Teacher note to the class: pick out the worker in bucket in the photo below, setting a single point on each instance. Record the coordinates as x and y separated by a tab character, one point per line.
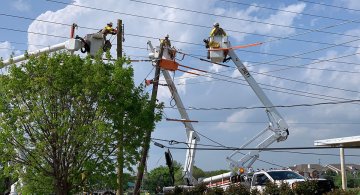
167	44
216	31
108	29
166	41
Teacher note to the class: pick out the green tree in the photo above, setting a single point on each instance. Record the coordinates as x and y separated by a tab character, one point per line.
61	116
159	177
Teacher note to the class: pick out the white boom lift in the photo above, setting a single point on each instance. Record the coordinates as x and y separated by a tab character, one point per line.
277	125
192	137
90	44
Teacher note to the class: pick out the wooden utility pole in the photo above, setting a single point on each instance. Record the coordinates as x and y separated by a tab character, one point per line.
120	133
119	39
145	150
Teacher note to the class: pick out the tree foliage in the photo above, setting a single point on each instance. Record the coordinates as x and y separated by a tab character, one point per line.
60	120
159	177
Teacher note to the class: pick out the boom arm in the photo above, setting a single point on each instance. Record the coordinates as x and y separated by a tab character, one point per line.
70	45
192	137
277	125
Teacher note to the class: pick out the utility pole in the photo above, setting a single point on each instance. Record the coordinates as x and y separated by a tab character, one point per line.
120	146
119	38
146	146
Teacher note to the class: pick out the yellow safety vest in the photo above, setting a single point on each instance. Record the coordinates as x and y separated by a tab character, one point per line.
217	31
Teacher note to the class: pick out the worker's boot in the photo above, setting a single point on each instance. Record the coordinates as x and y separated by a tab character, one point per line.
208	55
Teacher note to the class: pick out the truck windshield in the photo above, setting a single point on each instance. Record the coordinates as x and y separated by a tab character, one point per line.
283	175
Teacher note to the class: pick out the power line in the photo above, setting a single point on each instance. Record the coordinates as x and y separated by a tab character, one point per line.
282	78
293	92
34	33
302	94
294	123
317	154
9	15
17	30
276	106
283	10
255	52
218	143
267	149
190	43
173	142
303	58
185	23
241	19
328	5
277	88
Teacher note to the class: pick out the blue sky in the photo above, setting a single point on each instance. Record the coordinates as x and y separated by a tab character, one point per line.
291	34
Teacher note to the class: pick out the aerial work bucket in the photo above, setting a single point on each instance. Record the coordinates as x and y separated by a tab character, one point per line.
170	65
218	42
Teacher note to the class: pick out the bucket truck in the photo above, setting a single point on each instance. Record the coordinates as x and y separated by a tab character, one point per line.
277	126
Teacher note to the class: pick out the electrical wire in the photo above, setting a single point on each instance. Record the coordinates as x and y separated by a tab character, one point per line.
267	149
241	19
287	79
293	92
283	10
173	142
9	15
64	37
299	66
293	123
190	43
266	107
178	22
328	5
300	93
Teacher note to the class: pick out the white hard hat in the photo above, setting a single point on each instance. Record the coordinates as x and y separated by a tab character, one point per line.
167	36
216	24
110	23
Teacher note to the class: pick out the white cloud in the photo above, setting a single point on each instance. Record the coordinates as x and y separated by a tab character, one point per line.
352	4
6	49
21	5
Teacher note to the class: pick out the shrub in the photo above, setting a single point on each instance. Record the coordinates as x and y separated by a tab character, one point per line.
342	192
271	188
285	189
306	187
215	191
237	189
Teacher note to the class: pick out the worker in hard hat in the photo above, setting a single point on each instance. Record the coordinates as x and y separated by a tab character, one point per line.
108	29
167	45
166	42
216	31
210	43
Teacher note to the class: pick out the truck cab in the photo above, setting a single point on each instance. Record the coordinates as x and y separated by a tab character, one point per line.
291	178
260	178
